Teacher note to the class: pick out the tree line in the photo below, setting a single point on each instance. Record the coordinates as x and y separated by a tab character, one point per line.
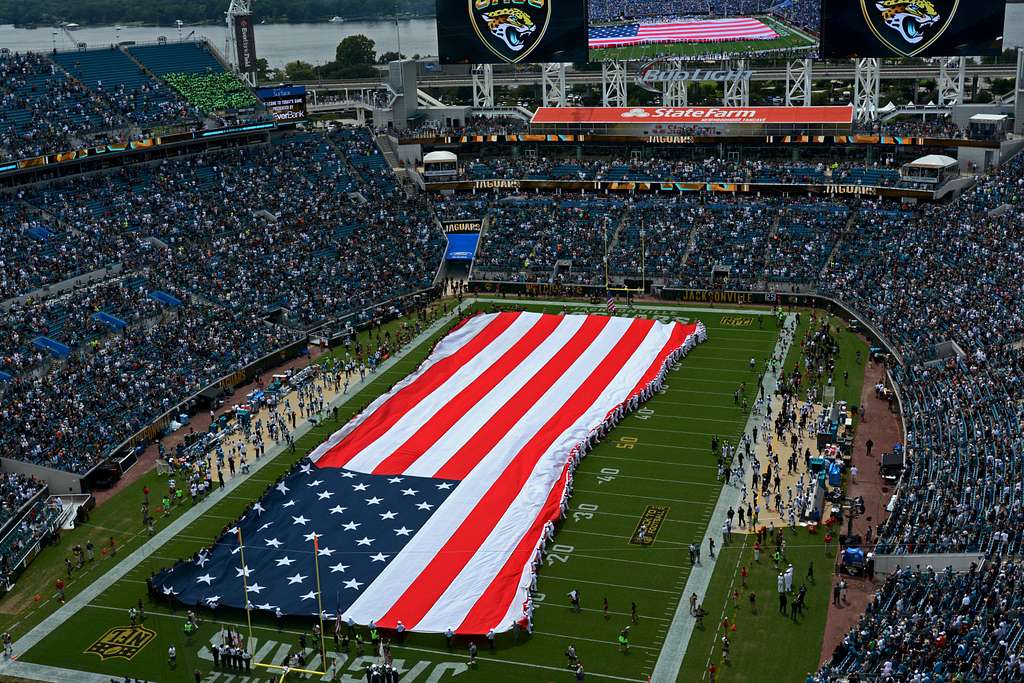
165	13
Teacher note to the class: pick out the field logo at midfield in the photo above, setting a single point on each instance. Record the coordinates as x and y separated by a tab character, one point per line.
121	641
510	30
908	27
649	523
737	321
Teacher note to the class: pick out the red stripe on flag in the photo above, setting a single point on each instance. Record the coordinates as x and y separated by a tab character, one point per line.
491	607
480	444
679	335
421	595
447	415
382	419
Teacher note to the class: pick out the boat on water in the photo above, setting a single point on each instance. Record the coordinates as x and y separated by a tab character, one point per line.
69	26
337	20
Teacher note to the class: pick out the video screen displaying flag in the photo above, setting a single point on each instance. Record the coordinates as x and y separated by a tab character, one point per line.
694	31
429	506
710	30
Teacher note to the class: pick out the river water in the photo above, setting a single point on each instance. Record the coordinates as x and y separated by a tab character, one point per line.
277	43
314	43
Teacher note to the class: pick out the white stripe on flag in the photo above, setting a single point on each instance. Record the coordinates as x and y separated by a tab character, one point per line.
379	597
377	451
455	603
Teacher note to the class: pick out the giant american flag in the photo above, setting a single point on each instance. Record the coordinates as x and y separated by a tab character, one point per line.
688	31
430	505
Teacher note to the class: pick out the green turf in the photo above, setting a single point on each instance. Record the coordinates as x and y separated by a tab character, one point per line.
659	455
766	646
795	646
789	39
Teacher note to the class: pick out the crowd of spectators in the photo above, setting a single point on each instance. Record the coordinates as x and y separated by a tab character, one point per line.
271	223
528	238
42	110
72	416
928	625
711	168
69	319
16	490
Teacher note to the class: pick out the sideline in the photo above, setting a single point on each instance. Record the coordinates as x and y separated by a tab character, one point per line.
670	661
57	619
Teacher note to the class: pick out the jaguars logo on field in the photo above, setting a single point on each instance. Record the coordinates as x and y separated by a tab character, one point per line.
908	27
123	642
511	29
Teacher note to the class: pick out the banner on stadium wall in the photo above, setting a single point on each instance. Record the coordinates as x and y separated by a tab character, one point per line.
634	186
697	116
467	225
285	103
511	31
245	43
911	28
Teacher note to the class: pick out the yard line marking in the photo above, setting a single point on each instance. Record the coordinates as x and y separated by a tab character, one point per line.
666	431
621	538
590	640
644	418
616	559
538	605
548	577
671	658
683	482
634	517
650	497
654	462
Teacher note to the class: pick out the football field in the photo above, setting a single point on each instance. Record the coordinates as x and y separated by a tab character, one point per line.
655	465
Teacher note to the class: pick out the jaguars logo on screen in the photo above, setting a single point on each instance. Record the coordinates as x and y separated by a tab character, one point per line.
511	30
909	26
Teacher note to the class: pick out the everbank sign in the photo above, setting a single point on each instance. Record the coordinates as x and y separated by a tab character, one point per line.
693	115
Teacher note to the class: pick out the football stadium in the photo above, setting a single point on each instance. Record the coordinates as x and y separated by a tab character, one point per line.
430	369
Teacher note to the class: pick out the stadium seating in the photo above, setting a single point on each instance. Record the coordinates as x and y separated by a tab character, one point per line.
124	86
42	110
928	625
177	58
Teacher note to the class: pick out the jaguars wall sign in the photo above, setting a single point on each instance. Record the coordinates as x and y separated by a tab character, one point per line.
123	642
511	31
911	28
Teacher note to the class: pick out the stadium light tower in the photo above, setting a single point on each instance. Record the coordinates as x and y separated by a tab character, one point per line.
240	39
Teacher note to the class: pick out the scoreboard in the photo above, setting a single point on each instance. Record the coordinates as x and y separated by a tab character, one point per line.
285	103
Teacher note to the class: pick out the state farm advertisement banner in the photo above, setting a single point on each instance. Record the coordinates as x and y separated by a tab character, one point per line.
696	116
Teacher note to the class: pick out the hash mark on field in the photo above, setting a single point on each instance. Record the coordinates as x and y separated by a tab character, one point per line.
619	514
657	462
606	584
590	640
628	495
684	482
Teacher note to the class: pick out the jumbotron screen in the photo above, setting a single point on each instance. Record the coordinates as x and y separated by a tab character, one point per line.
702	29
285	103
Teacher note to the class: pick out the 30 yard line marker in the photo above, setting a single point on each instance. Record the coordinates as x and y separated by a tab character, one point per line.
670	661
